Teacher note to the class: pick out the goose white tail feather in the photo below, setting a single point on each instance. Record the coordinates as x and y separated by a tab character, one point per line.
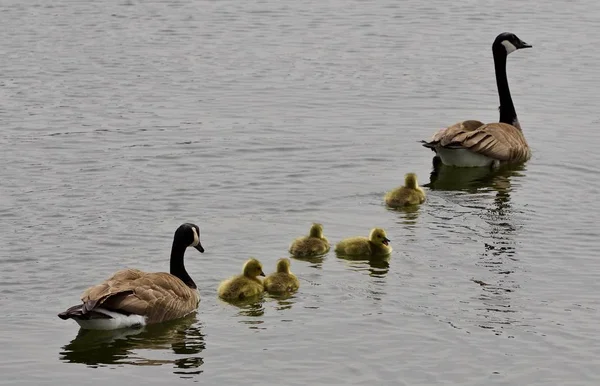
115	321
463	158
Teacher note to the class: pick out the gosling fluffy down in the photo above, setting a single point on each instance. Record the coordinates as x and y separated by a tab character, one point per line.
409	194
376	245
243	286
312	245
282	281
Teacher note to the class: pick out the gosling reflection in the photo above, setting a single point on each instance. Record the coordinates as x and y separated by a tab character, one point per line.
408	215
97	348
314	261
283	301
250	308
377	266
250	311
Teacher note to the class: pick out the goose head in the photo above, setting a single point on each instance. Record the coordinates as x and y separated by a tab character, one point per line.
378	237
508	42
253	268
316	230
410	181
189	235
283	265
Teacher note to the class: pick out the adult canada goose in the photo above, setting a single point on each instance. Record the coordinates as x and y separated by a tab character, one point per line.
472	143
312	245
409	194
376	245
135	298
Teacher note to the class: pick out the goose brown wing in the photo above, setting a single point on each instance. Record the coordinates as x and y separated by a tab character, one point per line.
455	129
158	296
499	141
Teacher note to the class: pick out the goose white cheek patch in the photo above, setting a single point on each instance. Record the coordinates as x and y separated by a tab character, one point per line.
509	46
196	238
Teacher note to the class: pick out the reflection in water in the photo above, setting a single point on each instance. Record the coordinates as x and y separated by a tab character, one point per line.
498	241
408	214
250	310
284	301
125	346
499	257
378	266
315	261
472	179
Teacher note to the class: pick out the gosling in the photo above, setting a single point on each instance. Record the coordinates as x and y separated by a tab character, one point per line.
314	244
243	286
409	194
376	245
283	281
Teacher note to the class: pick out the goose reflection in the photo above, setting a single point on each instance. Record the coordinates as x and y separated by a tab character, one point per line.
498	238
378	266
472	180
182	338
499	256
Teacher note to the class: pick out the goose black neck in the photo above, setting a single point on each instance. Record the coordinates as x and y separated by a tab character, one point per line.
177	267
507	108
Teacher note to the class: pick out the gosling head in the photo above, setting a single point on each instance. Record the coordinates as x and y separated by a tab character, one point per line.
410	181
378	237
316	230
283	265
253	268
507	43
189	235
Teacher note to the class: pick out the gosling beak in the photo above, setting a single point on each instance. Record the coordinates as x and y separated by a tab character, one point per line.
261	273
199	248
386	241
524	45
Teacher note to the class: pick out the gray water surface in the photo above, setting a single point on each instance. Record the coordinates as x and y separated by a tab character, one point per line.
123	119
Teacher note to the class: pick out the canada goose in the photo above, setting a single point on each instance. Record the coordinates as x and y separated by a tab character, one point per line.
409	194
283	280
376	245
312	245
472	143
135	298
243	286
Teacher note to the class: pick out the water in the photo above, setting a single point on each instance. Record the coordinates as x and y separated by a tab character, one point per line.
123	119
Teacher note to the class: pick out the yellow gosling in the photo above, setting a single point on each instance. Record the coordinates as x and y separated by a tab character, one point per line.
312	245
243	286
409	194
376	245
282	281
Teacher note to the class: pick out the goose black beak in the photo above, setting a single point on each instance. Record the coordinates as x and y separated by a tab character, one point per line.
524	45
199	248
386	241
261	273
